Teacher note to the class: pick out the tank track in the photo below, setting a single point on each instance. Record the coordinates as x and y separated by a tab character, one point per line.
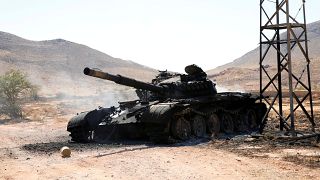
81	135
241	120
182	123
79	130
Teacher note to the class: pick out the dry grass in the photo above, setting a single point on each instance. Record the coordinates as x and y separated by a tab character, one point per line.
305	153
312	161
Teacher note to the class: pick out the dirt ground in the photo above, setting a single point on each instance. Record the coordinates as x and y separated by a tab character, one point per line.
29	149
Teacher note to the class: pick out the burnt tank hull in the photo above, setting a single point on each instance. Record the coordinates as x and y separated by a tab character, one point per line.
169	110
172	120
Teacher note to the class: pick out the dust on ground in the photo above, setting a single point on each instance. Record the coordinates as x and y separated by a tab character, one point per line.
30	149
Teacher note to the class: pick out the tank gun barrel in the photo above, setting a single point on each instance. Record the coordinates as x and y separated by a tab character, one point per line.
123	80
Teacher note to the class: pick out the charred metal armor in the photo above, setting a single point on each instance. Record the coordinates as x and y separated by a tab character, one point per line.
187	106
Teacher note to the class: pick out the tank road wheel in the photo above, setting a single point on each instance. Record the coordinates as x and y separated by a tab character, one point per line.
181	129
243	124
198	126
251	118
227	123
213	124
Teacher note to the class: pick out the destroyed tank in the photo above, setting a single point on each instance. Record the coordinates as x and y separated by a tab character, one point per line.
174	107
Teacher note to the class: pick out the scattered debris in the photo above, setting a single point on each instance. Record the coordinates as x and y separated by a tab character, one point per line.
65	152
300	137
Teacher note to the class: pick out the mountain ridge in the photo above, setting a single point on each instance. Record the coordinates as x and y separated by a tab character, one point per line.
248	64
58	64
248	59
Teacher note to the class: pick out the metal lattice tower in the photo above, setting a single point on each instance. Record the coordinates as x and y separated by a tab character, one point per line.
285	63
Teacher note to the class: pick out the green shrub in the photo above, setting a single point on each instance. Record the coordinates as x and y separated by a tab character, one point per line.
14	89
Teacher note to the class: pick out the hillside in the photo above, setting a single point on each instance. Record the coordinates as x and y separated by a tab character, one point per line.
57	65
246	68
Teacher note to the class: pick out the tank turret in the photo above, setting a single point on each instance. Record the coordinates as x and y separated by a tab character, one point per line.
190	85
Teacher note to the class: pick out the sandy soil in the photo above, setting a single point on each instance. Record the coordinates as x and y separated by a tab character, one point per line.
30	150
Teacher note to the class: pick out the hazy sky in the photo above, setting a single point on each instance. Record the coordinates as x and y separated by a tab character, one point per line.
157	33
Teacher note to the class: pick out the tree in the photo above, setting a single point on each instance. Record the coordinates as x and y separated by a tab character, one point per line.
14	89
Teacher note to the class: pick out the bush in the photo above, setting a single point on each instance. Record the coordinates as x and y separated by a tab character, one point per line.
14	89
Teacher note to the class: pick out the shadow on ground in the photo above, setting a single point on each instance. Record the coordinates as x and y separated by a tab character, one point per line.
51	147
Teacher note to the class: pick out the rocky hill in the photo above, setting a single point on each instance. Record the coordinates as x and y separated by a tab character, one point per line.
243	73
57	65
